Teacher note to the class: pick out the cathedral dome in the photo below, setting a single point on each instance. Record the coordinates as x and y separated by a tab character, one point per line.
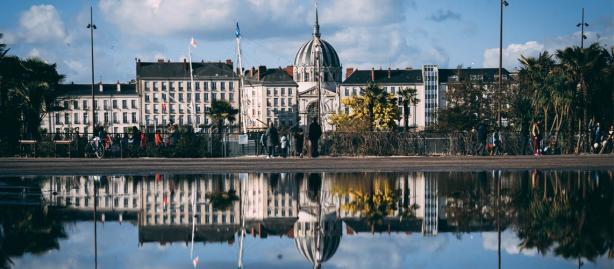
304	56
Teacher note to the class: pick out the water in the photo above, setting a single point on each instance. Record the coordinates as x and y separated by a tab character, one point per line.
489	219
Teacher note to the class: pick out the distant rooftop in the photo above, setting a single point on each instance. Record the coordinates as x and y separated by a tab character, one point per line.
181	70
86	89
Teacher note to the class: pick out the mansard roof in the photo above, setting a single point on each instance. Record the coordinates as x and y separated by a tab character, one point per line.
181	70
86	89
411	76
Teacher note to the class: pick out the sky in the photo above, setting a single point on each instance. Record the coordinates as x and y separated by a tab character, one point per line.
365	33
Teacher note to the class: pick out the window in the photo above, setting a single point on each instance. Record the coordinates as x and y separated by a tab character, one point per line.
197	86
66	104
180	97
146	97
85	104
76	118
283	102
146	83
66	118
75	104
283	91
223	96
231	85
115	119
289	91
197	96
106	104
57	118
133	117
206	85
125	117
268	91
222	85
206	97
133	103
114	104
124	104
189	97
347	91
231	96
155	97
85	121
275	102
180	85
106	117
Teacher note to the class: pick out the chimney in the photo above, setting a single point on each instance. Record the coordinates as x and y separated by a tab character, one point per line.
229	62
119	87
261	70
372	74
185	60
348	72
251	72
100	86
389	73
289	70
160	60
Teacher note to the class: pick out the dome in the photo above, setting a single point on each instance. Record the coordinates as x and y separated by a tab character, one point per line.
304	56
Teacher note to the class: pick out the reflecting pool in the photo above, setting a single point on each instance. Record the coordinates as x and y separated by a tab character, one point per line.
485	219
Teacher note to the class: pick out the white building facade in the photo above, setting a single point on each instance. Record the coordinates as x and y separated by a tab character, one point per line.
168	96
116	108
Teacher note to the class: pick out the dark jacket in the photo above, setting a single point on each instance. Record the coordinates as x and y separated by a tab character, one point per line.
272	137
315	131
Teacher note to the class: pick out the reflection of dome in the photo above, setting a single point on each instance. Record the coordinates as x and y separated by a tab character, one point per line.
304	57
307	247
306	233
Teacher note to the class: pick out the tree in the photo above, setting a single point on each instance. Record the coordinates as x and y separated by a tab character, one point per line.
467	104
222	111
376	109
409	96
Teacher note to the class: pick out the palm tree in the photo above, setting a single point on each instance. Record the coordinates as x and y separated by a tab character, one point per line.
585	68
537	70
374	95
221	111
409	97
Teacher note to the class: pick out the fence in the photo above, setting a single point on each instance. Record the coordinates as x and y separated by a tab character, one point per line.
188	144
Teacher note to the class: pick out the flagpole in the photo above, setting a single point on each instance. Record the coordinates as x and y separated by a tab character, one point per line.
192	88
241	83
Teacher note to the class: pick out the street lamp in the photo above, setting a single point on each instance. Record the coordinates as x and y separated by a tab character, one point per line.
92	27
503	3
582	25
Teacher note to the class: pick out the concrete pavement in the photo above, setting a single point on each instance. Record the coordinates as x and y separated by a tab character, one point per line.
65	166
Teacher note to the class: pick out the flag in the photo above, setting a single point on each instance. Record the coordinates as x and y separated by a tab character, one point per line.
193	42
238	31
195	262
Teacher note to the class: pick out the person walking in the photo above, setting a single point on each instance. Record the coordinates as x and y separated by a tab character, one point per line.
482	135
158	138
263	149
315	132
496	141
535	138
284	146
608	143
597	137
272	139
298	142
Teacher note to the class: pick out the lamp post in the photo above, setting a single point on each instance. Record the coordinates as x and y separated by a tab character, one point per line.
503	3
92	27
582	24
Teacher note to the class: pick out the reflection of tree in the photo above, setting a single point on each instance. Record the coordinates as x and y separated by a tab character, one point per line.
569	212
224	199
373	198
27	230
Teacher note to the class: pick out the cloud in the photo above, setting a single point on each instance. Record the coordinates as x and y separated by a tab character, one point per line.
365	12
511	53
444	15
40	24
209	19
509	243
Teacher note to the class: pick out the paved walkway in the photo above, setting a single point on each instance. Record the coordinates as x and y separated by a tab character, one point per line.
65	166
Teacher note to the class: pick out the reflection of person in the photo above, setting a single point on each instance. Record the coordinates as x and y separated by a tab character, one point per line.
315	132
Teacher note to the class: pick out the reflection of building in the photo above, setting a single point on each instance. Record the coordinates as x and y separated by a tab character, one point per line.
317	233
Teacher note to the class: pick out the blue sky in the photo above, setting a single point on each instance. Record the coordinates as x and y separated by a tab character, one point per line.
366	33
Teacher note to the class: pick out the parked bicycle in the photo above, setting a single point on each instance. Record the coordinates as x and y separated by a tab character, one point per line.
95	147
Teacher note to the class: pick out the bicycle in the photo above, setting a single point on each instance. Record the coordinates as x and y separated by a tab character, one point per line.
95	147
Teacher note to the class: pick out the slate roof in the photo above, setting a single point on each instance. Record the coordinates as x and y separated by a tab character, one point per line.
181	70
86	89
304	55
407	76
275	76
361	77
